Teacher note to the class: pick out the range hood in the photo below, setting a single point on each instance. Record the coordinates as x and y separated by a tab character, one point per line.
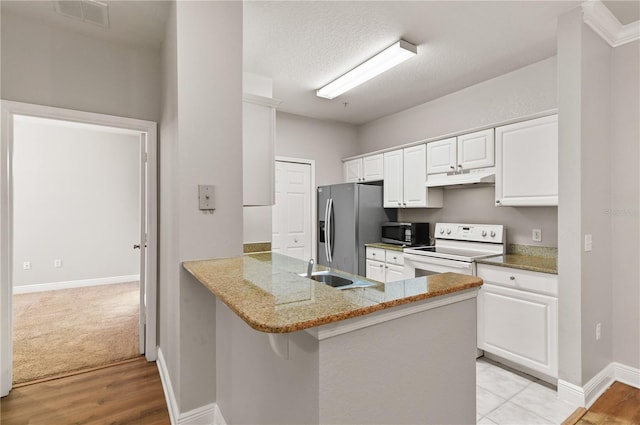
479	177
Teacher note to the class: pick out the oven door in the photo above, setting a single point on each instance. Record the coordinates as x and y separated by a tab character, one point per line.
416	265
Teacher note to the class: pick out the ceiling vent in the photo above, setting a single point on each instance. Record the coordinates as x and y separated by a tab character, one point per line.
90	11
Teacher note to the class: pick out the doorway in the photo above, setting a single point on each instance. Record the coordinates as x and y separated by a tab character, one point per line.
293	227
68	259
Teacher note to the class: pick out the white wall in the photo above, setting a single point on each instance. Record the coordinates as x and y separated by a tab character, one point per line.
326	142
50	66
596	198
201	137
168	272
523	92
477	205
570	197
519	93
77	199
625	203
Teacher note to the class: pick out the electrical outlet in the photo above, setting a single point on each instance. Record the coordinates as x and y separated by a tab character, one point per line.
26	265
57	263
536	235
598	331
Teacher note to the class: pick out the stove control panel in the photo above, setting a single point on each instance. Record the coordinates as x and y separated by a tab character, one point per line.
470	232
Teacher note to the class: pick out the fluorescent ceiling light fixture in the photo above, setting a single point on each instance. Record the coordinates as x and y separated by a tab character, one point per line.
383	61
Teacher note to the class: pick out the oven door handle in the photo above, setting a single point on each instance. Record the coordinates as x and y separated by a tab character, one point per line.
423	259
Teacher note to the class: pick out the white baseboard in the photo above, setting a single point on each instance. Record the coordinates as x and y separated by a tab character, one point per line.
209	414
39	287
586	395
627	375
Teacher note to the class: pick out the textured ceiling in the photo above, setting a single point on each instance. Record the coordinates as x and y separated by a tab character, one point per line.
303	45
139	23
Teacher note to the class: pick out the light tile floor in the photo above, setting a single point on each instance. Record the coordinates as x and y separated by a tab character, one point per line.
505	396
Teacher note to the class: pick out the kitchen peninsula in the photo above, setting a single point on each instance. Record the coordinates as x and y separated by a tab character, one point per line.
299	351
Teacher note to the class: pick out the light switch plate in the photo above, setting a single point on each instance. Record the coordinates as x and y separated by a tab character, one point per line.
588	243
205	197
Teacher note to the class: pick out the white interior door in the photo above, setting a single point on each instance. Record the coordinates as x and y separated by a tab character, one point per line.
291	231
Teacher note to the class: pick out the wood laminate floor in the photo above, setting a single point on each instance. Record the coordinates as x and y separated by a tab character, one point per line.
620	404
127	393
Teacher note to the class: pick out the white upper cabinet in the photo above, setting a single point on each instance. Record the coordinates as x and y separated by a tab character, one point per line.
441	156
393	179
476	150
466	152
527	163
366	169
405	172
353	170
373	166
258	158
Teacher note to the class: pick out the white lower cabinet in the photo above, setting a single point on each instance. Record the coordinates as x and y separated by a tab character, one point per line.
384	265
518	317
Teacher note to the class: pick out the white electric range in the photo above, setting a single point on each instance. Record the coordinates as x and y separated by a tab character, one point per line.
456	248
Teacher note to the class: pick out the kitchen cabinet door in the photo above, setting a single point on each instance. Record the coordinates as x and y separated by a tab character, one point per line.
476	150
518	317
258	157
393	179
415	176
353	170
375	270
441	156
527	163
373	168
519	326
393	273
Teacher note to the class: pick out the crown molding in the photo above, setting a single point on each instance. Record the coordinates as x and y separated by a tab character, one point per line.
606	25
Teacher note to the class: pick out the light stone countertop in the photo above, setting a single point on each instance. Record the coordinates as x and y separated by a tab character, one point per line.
524	262
266	291
383	245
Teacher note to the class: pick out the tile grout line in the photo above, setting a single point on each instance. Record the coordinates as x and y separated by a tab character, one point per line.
510	398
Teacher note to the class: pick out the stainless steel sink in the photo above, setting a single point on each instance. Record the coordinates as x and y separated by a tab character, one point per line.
332	280
337	281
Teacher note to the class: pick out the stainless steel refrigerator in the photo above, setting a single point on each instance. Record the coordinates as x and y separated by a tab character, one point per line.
349	216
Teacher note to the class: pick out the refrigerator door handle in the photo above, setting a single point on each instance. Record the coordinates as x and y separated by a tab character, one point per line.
326	233
329	244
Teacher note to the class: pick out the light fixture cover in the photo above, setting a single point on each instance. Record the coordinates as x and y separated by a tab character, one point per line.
383	61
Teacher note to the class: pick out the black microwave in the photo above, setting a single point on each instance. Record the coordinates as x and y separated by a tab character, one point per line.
411	234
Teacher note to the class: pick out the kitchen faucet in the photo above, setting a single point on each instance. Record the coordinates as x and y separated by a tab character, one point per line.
310	268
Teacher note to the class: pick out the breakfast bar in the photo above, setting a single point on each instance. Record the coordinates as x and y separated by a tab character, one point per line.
300	351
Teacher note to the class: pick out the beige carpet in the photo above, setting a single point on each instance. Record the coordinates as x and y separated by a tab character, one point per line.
55	332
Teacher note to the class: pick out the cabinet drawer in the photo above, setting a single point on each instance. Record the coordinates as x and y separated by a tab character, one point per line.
375	254
542	283
394	257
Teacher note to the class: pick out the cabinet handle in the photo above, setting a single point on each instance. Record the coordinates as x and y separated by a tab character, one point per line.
404	203
498	201
459	165
452	167
386	267
399	204
512	277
